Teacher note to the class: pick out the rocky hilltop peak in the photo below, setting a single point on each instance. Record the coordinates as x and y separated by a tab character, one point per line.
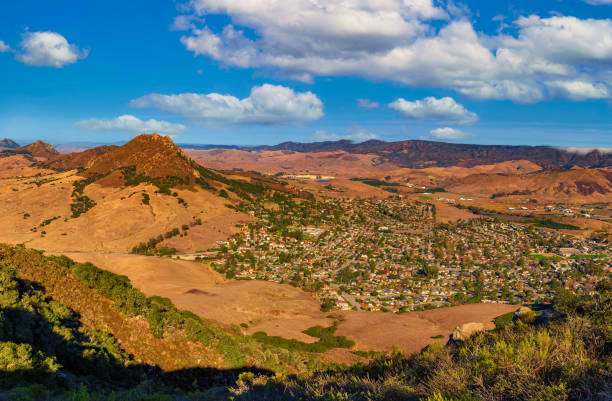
8	143
39	149
153	156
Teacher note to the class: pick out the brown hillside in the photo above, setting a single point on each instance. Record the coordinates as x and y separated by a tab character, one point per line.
151	155
39	149
159	189
574	185
281	309
77	159
342	164
339	163
422	154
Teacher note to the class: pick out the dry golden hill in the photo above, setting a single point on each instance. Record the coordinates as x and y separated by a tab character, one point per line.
13	164
37	211
445	176
125	197
75	160
150	155
337	163
39	149
576	185
16	158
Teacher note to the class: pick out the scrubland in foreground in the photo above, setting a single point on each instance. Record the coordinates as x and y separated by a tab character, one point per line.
68	334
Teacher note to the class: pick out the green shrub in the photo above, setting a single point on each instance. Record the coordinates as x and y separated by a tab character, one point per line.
327	340
549	223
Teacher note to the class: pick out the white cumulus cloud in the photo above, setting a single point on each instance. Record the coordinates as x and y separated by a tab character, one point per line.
266	104
397	40
449	134
4	47
579	90
49	49
585	151
367	104
354	134
444	110
131	124
598	2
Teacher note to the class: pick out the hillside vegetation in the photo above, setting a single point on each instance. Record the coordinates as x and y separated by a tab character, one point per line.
70	327
566	358
71	331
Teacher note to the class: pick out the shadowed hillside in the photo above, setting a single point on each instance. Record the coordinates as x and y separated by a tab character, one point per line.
8	143
64	325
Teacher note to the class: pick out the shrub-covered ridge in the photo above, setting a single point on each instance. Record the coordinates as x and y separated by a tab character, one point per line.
567	358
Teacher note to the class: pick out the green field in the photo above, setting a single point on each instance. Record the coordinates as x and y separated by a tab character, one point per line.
548	223
376	183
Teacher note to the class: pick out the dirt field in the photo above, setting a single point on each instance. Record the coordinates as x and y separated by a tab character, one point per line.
446	213
411	332
281	309
274	308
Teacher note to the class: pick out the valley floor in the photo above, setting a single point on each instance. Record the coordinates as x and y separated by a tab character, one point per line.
282	310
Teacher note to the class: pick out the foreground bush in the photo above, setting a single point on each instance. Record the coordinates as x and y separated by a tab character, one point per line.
568	358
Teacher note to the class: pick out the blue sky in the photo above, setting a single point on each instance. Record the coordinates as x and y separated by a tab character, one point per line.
256	72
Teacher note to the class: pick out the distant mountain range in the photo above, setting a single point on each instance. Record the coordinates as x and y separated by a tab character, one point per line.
7	143
409	154
38	149
422	154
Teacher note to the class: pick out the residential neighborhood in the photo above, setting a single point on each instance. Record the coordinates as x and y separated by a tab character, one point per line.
390	255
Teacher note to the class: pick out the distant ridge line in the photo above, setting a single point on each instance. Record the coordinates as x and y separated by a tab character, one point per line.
422	154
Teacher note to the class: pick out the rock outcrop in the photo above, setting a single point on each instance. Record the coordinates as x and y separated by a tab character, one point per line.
524	314
465	331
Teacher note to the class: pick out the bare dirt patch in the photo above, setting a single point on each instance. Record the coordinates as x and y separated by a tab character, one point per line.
446	213
274	308
411	332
